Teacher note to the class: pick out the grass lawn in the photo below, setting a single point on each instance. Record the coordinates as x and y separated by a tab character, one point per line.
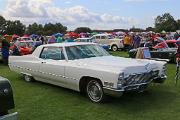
39	101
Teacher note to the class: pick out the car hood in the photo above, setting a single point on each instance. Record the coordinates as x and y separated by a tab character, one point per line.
118	64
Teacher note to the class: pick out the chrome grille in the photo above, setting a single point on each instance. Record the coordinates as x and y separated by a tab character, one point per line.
141	78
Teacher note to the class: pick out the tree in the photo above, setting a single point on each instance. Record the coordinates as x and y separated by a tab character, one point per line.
2	25
2	20
165	22
47	29
150	29
14	27
178	24
82	29
50	28
35	29
133	29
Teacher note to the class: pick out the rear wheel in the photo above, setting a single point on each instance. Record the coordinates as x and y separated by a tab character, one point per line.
27	78
95	92
114	48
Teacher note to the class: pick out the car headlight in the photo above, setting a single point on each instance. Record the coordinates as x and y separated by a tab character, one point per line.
6	91
121	80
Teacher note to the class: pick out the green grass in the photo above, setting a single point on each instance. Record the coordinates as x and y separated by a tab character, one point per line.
39	101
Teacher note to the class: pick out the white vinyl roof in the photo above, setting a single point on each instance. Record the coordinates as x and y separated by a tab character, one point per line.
67	44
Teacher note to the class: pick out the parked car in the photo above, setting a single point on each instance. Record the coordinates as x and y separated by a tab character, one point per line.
108	39
6	100
105	46
24	47
166	44
24	38
163	50
86	67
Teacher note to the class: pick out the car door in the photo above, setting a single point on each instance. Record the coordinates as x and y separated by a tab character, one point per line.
52	65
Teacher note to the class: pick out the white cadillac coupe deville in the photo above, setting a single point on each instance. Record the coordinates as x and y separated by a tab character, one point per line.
87	67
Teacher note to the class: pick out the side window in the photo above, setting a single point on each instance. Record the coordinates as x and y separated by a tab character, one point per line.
98	37
103	37
54	53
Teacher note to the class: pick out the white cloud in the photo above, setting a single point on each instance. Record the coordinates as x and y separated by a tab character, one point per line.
144	0
43	11
68	2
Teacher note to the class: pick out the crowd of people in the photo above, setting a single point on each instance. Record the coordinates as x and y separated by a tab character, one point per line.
131	40
135	40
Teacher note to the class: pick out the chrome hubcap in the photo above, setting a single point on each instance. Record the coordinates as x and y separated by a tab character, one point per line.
27	78
94	91
114	48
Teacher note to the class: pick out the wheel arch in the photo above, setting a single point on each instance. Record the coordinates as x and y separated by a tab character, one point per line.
84	80
113	44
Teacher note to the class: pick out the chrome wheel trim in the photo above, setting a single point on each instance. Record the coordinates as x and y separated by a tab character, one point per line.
114	48
94	91
27	78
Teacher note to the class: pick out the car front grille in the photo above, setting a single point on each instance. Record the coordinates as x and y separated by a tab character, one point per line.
141	78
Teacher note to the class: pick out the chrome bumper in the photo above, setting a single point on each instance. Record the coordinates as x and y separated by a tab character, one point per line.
160	79
113	92
119	92
134	87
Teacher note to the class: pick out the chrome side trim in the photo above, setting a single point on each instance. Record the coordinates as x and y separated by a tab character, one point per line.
52	74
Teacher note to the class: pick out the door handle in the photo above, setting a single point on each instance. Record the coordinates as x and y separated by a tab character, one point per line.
43	62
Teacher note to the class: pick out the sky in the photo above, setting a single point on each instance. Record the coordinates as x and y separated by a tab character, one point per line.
96	14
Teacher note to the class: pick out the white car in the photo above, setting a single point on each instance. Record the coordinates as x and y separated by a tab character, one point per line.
87	67
114	43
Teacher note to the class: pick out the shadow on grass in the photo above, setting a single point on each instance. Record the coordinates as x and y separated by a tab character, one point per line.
155	98
151	99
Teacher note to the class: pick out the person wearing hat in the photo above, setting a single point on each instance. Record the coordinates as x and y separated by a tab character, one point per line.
163	35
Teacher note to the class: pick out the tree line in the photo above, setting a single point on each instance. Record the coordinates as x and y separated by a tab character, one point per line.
164	22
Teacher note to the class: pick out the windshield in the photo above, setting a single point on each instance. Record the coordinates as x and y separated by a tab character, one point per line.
26	39
160	39
110	37
85	51
22	44
30	44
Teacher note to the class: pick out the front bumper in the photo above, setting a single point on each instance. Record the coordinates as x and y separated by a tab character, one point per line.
134	87
119	92
160	79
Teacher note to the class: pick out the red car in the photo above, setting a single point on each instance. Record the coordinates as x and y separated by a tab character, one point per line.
166	44
24	47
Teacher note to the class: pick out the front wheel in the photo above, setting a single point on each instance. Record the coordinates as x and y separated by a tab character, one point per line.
95	92
114	48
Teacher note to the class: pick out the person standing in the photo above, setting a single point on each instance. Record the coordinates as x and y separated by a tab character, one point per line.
127	42
176	35
42	39
59	40
5	51
136	41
